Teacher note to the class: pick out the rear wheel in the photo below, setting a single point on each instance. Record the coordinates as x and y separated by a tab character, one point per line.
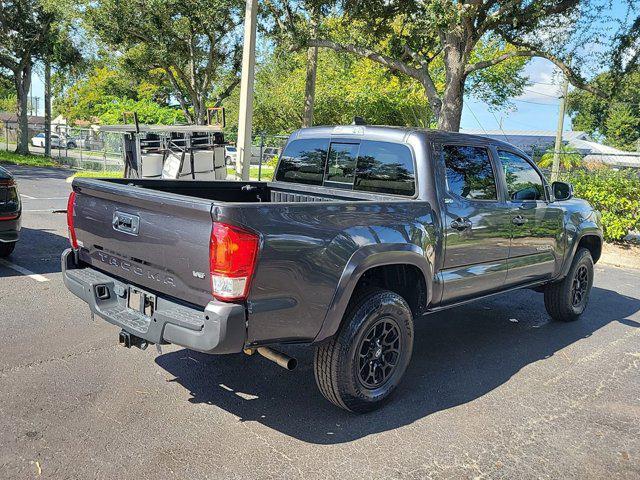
566	300
361	366
6	248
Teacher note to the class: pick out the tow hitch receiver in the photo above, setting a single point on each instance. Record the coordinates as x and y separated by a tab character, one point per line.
128	340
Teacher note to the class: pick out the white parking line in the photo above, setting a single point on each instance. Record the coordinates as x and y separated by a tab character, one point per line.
34	276
43	198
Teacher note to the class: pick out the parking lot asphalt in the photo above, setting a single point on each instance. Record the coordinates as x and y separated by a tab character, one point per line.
494	389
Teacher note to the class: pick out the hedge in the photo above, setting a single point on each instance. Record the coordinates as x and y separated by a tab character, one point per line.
615	193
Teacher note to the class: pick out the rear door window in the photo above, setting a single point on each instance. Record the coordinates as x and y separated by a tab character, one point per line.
385	167
303	161
469	173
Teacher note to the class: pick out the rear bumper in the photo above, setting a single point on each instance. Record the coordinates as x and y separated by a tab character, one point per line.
218	328
9	230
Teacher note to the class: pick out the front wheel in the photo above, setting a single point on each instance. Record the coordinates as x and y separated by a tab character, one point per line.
566	300
362	365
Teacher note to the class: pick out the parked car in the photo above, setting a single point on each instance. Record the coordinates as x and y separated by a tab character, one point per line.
363	232
230	154
57	141
10	213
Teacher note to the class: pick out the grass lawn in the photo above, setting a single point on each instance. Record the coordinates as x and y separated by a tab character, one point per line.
93	174
11	158
267	173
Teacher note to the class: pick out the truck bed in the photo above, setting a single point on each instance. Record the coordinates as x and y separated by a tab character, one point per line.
169	252
240	192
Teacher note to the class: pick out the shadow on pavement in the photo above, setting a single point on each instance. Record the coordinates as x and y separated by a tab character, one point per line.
38	250
459	355
38	173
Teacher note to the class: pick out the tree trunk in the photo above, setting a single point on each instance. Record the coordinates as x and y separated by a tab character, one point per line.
452	103
310	81
455	60
310	86
199	111
22	80
47	108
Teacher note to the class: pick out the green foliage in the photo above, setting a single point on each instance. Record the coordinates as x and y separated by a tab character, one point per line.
99	174
569	159
616	120
8	103
195	43
272	162
346	86
623	127
616	194
106	92
148	111
27	160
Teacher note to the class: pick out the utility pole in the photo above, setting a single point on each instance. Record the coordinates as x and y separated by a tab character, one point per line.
47	107
245	120
555	169
37	105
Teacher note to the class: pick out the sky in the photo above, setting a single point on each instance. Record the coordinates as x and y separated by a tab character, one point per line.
536	109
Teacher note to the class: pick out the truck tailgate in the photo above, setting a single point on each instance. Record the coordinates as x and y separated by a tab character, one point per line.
156	240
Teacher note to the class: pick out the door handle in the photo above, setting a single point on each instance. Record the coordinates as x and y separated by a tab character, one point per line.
460	224
519	220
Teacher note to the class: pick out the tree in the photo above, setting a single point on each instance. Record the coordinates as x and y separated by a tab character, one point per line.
60	52
422	38
615	120
623	127
195	43
24	29
570	158
106	91
347	86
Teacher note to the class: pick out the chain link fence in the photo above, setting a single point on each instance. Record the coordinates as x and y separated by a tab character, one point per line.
92	149
78	148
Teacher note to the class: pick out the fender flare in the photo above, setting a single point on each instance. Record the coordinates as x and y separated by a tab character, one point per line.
364	259
587	230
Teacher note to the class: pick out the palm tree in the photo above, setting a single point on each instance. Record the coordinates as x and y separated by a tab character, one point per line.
570	158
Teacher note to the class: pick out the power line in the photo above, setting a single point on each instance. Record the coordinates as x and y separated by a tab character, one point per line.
536	103
540	93
499	125
474	116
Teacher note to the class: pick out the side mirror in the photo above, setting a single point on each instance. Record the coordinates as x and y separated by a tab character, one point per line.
562	190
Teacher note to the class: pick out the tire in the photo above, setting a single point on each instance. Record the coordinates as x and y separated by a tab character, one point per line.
342	363
71	145
566	300
6	248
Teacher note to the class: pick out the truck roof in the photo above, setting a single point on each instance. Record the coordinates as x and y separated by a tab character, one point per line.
392	133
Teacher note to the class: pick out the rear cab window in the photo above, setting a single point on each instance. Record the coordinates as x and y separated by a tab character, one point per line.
360	165
303	161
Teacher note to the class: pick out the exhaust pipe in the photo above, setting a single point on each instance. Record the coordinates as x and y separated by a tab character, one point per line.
281	359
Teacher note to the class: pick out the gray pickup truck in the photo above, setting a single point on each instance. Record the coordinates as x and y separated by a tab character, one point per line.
363	231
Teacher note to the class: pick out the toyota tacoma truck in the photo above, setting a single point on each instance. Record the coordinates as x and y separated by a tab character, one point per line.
363	231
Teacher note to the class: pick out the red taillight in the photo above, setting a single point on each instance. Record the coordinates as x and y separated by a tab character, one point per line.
70	211
232	255
8	182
